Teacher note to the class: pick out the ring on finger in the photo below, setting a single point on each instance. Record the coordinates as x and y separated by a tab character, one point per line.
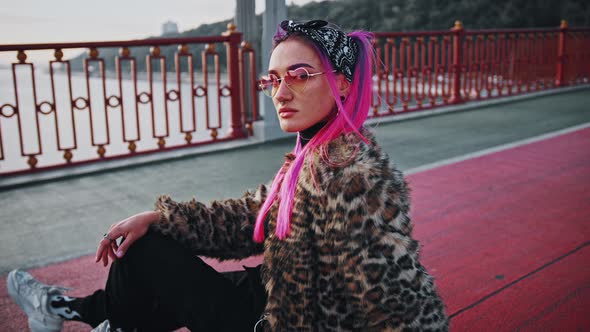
106	236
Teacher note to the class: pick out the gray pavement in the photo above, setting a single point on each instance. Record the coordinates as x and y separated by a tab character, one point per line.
58	220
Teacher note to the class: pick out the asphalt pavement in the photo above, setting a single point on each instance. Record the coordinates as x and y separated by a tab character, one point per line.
62	219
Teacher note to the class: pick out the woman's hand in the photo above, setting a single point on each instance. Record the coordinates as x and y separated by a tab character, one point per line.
130	229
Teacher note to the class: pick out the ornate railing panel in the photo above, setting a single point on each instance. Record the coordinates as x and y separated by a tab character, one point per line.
154	95
162	94
422	70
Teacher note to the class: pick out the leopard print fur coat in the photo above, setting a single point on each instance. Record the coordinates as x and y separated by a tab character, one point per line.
350	262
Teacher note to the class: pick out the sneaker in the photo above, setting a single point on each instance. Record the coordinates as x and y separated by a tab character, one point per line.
33	298
106	327
103	327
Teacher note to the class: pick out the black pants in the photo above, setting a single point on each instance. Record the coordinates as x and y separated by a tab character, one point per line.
159	286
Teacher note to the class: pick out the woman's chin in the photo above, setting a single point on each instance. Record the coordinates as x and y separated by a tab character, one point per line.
289	127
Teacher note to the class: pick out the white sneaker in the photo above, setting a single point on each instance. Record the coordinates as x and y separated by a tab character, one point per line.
33	298
103	327
106	327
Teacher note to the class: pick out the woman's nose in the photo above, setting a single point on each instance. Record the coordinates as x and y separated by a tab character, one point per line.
283	92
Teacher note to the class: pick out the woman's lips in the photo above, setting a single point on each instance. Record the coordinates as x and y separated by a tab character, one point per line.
286	112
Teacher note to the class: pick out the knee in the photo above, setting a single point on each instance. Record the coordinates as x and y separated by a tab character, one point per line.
154	247
150	243
145	243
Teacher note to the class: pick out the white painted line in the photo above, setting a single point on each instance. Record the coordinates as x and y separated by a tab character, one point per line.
494	149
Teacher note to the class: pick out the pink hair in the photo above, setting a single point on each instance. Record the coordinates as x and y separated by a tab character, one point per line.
350	117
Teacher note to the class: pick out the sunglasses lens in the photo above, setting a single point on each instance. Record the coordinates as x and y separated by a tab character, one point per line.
297	79
267	86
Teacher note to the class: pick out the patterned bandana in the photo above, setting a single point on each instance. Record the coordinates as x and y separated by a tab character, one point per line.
340	48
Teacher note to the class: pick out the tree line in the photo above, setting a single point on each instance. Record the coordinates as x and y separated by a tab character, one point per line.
388	15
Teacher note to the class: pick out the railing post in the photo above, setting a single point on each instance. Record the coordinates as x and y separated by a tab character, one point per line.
561	55
249	92
458	33
233	68
378	73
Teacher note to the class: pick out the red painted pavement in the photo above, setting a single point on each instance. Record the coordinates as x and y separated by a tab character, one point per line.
554	298
488	221
507	236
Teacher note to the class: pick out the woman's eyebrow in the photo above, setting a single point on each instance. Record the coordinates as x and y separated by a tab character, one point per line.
299	65
293	67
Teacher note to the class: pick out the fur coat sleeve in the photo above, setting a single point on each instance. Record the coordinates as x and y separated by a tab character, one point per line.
222	230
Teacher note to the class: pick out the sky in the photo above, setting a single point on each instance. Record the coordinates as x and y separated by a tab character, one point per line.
48	21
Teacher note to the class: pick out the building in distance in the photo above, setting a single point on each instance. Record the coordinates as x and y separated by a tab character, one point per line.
169	27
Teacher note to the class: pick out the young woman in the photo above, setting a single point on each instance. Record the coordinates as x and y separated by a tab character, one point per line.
333	226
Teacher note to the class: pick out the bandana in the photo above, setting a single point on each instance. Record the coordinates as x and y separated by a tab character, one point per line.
340	48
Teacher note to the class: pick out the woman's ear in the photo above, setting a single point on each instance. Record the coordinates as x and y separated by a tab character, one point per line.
343	85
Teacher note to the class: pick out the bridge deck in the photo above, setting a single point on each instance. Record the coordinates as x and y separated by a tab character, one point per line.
506	235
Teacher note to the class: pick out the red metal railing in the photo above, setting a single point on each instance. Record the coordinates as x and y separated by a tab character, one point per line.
124	115
91	118
421	70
